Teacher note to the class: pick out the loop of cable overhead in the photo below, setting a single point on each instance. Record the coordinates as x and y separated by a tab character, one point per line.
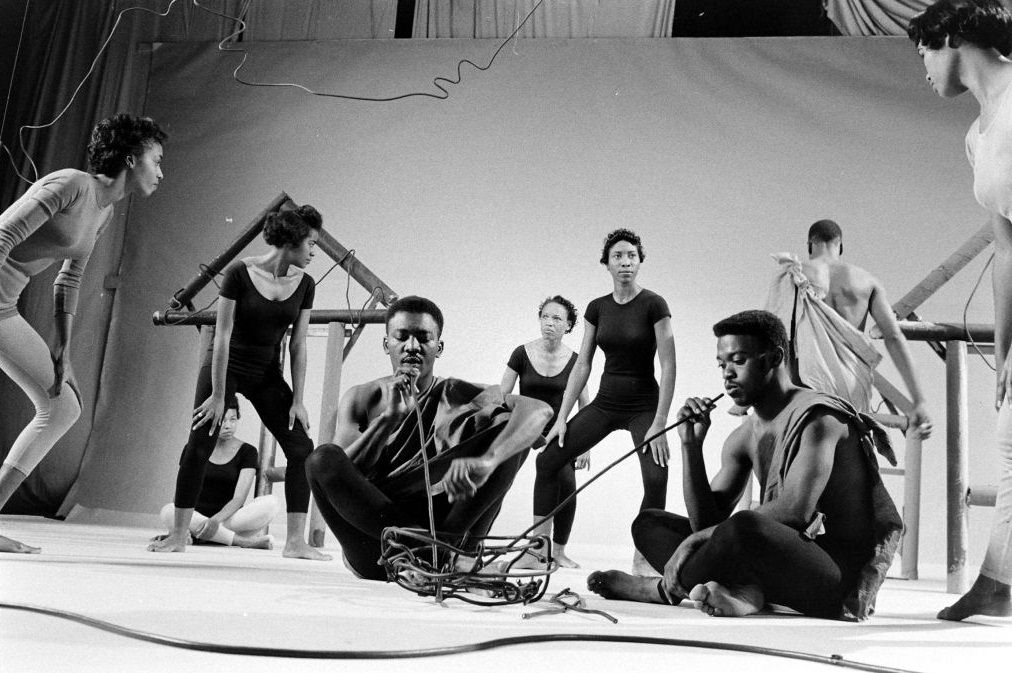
77	90
439	82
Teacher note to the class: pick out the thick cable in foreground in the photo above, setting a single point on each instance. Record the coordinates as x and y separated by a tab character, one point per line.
258	651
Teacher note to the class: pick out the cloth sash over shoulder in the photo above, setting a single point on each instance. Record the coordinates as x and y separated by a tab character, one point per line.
832	355
460	419
859	603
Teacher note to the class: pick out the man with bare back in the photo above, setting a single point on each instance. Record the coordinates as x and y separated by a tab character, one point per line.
825	303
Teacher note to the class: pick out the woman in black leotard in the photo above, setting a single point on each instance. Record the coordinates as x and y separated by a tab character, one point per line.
222	514
548	354
629	324
260	298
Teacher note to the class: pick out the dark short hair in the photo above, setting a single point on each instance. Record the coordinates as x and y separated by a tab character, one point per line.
763	325
622	235
115	138
985	23
232	402
571	313
290	227
824	231
415	304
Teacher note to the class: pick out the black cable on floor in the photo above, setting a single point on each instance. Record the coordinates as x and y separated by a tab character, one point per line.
247	650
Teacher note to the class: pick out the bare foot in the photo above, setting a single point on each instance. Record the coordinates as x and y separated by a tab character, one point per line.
617	585
529	560
563	560
986	597
641	567
14	547
302	550
253	541
717	600
170	543
162	536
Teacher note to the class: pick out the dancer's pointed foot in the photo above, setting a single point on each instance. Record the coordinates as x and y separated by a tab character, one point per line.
987	597
717	600
10	546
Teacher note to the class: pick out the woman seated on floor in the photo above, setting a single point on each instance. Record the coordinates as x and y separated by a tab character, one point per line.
222	514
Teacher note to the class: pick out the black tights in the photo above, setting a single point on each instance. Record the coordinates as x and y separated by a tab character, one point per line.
272	399
357	511
750	548
587	428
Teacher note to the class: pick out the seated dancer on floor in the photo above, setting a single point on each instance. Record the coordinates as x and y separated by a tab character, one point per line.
825	304
548	354
372	476
260	298
59	219
222	514
825	533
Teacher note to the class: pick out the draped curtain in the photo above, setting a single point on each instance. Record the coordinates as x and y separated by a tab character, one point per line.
58	42
873	17
554	18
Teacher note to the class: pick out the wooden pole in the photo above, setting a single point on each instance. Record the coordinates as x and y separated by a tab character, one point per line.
957	465
911	506
328	414
946	270
316	317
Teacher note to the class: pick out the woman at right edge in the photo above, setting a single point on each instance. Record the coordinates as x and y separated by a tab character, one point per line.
965	45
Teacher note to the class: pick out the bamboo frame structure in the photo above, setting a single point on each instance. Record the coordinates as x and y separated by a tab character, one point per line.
336	322
954	337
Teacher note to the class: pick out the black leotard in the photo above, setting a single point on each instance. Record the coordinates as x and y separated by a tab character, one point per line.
260	323
220	480
625	332
548	389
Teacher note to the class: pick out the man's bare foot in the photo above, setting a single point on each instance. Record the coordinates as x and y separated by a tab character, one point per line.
617	585
302	550
253	541
170	543
717	600
10	546
986	597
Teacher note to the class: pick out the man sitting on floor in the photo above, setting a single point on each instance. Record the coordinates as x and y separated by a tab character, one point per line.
826	531
372	476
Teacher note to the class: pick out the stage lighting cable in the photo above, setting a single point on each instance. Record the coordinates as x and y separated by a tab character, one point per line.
966	308
438	81
77	90
480	646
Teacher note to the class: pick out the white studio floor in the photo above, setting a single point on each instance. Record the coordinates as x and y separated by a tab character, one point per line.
257	598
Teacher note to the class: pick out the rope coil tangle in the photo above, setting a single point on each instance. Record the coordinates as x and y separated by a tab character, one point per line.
421	562
482	575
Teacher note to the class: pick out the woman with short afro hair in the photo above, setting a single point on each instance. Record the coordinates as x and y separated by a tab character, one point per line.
965	45
260	298
59	219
